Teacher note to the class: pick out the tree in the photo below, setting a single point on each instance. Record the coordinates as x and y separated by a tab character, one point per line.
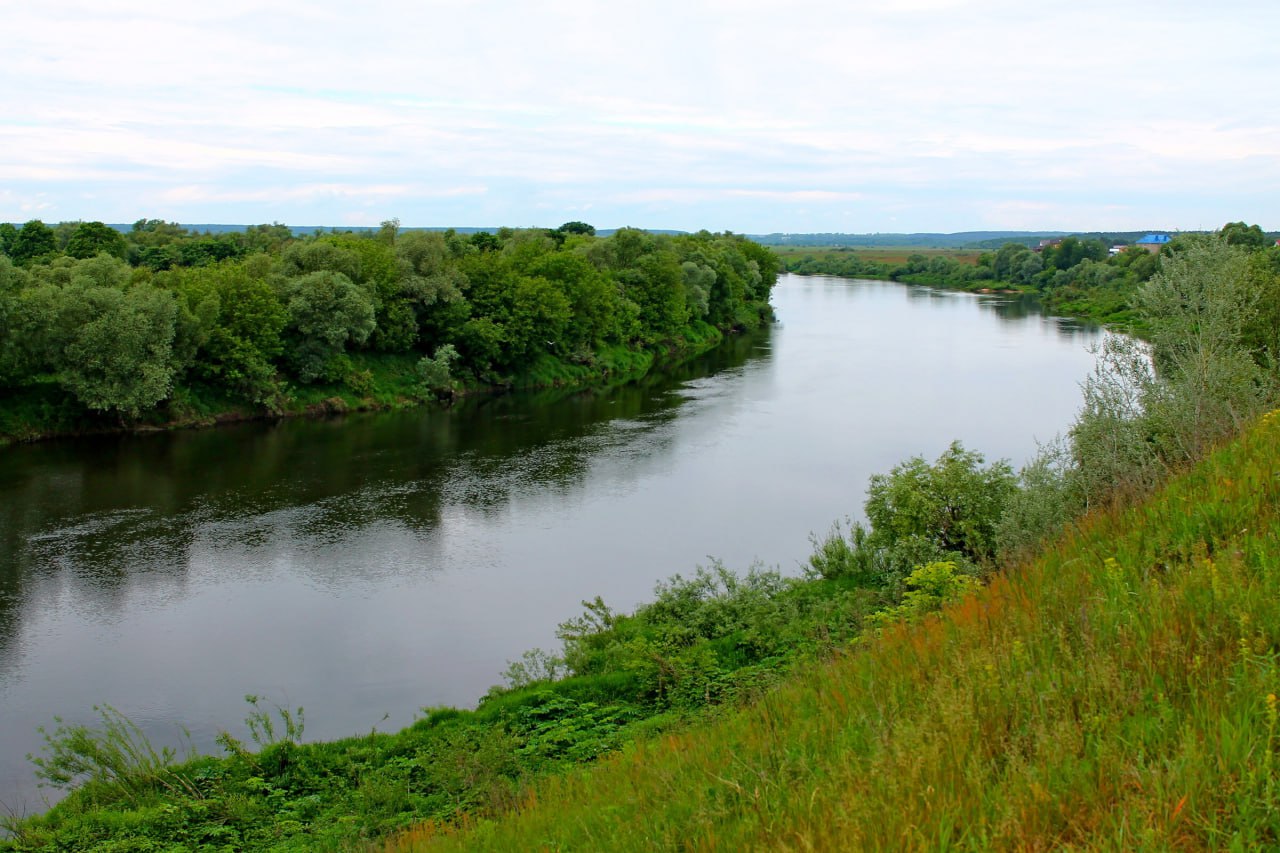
14	344
1148	409
540	314
243	337
1072	251
1197	309
90	238
326	311
1248	237
321	255
7	235
954	504
118	346
576	227
1009	260
593	299
34	240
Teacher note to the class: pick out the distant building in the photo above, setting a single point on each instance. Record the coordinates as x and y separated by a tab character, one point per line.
1044	244
1154	242
1116	249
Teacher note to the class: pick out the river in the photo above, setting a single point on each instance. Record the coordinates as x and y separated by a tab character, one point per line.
367	566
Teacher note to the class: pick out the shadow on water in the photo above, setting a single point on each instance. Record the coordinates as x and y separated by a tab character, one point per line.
93	516
379	562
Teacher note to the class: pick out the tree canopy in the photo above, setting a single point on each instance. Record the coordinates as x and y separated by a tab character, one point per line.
120	321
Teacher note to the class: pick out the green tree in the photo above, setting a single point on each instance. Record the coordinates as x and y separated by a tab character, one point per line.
429	284
34	240
576	227
326	311
321	255
15	353
118	346
90	238
954	504
1009	260
540	314
481	340
8	234
1197	309
243	337
593	299
1248	237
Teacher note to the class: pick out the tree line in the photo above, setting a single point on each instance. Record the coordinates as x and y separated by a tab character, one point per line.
1077	275
123	322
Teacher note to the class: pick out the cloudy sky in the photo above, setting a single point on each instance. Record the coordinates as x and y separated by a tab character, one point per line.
892	115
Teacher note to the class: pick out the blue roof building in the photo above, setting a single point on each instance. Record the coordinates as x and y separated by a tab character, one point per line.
1153	242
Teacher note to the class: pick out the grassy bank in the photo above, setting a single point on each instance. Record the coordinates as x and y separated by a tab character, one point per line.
1117	692
1091	290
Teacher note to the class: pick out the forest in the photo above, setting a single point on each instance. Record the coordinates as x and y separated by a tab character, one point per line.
101	329
1077	276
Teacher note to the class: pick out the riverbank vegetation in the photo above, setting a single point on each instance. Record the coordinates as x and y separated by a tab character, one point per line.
1076	276
956	670
104	330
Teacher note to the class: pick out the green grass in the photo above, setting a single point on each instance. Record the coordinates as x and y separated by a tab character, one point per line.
1116	693
892	256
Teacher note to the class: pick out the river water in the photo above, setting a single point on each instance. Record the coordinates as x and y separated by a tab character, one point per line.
367	566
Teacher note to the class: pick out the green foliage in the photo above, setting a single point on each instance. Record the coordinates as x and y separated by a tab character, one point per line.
90	238
326	311
33	241
1045	502
1197	309
435	371
1118	692
954	504
259	316
534	666
928	589
244	338
116	758
262	727
1245	236
1151	410
114	347
8	234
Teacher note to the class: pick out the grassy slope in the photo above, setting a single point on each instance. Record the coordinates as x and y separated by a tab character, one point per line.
1119	692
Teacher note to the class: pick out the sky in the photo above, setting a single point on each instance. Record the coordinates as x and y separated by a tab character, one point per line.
754	117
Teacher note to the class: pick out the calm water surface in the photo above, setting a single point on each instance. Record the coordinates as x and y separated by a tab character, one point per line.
368	566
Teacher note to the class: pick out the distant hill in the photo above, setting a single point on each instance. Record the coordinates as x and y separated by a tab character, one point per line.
922	240
958	240
303	230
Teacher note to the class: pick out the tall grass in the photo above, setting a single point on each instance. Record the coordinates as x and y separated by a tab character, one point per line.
1118	692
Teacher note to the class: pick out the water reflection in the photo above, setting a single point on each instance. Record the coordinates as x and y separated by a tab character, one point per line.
91	518
378	563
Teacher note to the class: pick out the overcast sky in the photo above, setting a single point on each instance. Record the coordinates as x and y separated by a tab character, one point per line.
910	115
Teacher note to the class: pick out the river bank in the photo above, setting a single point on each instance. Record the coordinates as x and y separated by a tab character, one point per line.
378	563
385	382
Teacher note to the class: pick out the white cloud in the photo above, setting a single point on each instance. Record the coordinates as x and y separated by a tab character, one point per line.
753	115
